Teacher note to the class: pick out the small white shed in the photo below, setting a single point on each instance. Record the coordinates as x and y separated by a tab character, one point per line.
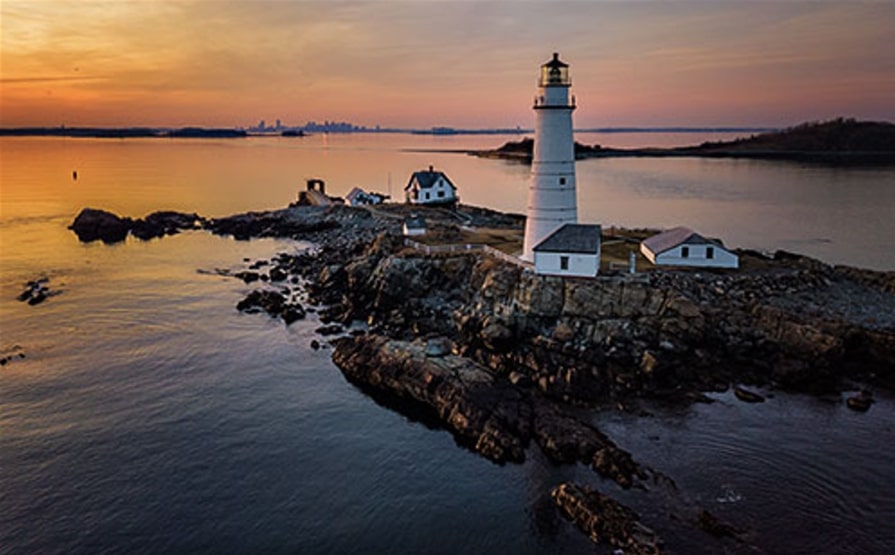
414	225
571	250
682	246
430	187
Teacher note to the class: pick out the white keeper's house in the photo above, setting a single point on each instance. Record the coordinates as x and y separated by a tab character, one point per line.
430	187
571	250
682	246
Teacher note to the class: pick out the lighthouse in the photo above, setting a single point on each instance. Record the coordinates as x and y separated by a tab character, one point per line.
552	198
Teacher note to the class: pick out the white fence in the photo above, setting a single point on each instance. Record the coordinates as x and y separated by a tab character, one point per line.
486	249
618	270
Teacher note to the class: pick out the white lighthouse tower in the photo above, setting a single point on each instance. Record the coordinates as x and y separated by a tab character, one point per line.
552	198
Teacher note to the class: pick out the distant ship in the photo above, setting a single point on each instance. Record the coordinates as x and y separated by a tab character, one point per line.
293	133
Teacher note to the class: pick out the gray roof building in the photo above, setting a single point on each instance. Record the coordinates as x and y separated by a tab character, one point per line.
670	239
427	179
572	238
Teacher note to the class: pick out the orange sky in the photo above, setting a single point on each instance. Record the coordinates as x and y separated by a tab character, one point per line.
427	63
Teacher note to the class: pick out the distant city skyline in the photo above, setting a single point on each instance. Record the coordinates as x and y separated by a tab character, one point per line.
426	64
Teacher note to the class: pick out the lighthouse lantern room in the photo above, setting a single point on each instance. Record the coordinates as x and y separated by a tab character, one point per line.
552	197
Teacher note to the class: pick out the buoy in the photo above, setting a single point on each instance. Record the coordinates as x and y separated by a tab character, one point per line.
74	175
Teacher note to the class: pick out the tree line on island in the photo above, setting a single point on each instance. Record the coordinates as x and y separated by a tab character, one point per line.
842	140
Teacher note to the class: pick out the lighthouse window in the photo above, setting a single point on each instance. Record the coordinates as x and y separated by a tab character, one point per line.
562	180
563	262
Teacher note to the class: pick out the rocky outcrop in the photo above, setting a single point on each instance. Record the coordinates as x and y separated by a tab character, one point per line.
605	520
37	291
274	303
92	224
159	224
488	415
11	354
673	333
269	224
747	396
485	411
860	402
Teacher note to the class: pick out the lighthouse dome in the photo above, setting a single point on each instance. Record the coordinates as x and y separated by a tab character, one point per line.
555	73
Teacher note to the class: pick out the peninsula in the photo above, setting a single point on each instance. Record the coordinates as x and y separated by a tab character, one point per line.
836	142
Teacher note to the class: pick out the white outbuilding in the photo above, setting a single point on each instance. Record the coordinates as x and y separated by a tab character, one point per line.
414	225
430	187
682	246
359	197
571	250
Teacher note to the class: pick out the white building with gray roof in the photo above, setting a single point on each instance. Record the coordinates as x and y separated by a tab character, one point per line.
682	246
430	187
571	250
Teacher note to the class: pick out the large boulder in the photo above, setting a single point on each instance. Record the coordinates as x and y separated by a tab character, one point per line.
93	224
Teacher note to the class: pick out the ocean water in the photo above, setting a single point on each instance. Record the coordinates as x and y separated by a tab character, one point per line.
148	415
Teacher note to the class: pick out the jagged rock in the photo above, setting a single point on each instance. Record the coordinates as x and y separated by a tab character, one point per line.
92	224
292	313
315	344
605	520
542	295
280	223
747	396
9	354
159	224
247	277
276	274
36	291
438	347
860	402
563	332
649	361
519	379
271	302
496	336
482	412
713	525
330	329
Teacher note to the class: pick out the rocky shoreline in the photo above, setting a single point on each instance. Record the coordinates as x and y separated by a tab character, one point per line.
506	359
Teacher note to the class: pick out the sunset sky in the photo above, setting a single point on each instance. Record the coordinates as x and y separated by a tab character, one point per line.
427	63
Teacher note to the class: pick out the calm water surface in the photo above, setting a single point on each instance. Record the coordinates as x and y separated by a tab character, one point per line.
150	416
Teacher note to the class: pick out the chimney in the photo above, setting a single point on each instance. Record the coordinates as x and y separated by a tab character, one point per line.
431	168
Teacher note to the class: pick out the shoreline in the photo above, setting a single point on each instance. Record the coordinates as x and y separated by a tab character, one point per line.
828	158
503	358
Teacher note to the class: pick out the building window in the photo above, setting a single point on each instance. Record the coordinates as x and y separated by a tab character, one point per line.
685	252
440	194
562	180
563	262
710	252
427	196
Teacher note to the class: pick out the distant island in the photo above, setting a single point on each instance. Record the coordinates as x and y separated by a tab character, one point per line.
123	133
840	141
